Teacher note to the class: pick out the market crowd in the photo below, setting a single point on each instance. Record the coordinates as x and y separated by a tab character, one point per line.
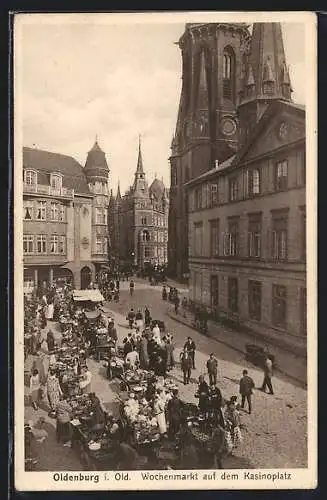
154	427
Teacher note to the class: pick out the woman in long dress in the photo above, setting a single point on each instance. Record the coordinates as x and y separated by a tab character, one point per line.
53	390
49	311
159	409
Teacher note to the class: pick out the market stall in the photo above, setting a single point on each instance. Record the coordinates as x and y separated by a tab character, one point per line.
88	298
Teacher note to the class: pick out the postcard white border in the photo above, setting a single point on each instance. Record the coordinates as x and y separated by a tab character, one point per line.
300	478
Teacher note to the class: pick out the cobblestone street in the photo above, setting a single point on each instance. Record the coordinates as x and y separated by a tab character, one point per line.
274	436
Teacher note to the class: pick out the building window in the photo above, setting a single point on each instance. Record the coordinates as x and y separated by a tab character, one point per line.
254	300
214	238
214	291
281	175
62	244
213	195
253	182
279	306
233	189
145	236
254	237
28	210
279	237
41	243
41	210
56	181
303	310
62	213
30	177
231	239
54	211
198	238
100	245
228	73
100	216
54	246
198	198
233	295
205	195
28	243
143	221
146	252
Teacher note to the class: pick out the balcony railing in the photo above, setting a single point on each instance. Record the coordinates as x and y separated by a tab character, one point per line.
48	190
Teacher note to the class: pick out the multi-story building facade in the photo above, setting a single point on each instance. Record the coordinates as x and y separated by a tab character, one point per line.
213	58
139	221
65	216
247	216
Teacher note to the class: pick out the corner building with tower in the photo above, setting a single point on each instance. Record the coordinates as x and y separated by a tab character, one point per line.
238	179
65	217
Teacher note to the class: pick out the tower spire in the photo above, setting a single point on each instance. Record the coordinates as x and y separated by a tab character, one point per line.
118	197
266	69
267	76
139	169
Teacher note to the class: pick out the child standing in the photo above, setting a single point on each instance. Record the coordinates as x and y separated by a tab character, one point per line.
35	388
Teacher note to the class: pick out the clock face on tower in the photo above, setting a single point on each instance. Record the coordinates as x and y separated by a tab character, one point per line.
228	126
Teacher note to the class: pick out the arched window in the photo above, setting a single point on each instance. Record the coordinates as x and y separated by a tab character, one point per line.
229	73
227	66
145	236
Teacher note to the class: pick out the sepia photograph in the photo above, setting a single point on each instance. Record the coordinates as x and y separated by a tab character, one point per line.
165	251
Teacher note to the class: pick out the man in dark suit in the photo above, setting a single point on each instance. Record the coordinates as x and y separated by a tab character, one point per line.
212	367
190	347
186	364
246	387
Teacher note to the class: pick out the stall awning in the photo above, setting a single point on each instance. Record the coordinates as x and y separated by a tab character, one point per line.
87	296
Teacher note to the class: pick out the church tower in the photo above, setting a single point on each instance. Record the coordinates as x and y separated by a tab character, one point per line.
207	127
265	76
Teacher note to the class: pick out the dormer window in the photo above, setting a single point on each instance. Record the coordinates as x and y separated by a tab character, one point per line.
30	177
56	181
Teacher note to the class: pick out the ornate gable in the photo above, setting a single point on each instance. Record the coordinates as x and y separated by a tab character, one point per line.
275	131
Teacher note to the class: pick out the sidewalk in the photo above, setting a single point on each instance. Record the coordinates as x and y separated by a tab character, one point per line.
287	363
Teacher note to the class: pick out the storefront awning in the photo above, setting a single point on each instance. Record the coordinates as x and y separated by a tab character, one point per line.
87	296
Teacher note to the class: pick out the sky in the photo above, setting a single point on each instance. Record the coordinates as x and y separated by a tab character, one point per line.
79	81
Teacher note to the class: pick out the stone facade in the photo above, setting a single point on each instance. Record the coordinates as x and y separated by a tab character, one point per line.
247	229
139	221
65	217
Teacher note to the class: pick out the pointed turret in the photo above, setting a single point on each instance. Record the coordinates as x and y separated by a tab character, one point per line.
96	165
118	197
266	69
267	76
140	186
139	169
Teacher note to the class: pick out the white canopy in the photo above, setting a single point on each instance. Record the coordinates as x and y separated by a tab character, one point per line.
87	296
